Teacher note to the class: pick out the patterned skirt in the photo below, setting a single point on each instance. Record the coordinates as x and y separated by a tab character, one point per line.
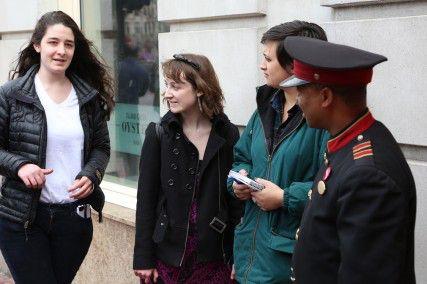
215	272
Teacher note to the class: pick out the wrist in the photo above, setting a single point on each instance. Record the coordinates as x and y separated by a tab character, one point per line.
285	198
280	198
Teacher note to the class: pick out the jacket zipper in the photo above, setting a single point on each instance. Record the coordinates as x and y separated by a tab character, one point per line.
270	157
253	247
25	229
287	135
189	212
43	162
219	204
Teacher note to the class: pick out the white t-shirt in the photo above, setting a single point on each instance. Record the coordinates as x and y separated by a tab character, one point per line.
64	150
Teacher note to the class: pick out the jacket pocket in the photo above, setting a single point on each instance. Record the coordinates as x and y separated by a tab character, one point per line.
281	243
283	231
160	228
162	222
243	222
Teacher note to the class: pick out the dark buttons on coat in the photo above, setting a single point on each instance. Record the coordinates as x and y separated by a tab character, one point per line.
191	171
174	166
175	151
188	186
177	136
171	182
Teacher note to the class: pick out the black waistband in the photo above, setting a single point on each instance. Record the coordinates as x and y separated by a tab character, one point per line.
60	206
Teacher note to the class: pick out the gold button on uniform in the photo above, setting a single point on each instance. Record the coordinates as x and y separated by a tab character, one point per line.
321	187
296	234
309	194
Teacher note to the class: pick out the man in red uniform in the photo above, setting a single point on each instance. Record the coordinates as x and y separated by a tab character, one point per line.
358	226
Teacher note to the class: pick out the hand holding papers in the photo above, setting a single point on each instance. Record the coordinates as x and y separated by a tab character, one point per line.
239	178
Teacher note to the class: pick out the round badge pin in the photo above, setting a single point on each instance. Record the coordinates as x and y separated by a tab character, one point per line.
321	187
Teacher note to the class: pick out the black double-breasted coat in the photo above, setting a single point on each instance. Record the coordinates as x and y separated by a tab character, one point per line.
170	174
358	226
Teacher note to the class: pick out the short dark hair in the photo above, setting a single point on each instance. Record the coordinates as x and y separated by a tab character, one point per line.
295	28
352	96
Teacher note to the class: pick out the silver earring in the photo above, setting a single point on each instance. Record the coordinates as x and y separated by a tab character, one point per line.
200	104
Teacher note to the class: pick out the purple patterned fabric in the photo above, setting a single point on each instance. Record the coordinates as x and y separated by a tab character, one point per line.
192	272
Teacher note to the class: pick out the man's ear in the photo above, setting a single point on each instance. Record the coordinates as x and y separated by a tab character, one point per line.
327	97
36	47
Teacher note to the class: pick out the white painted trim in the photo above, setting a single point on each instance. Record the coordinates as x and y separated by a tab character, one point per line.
352	3
196	10
119	194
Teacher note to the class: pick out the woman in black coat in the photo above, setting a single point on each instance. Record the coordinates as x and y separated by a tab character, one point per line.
54	148
185	219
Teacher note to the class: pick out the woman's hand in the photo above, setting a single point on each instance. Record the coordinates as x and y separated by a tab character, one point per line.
242	191
270	198
81	188
33	176
147	274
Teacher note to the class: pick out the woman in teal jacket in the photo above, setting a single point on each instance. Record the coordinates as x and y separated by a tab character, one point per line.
283	153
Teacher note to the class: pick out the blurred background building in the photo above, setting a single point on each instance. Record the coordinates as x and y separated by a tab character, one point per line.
134	36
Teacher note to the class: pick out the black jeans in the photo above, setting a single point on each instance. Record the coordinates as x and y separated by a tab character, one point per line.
51	250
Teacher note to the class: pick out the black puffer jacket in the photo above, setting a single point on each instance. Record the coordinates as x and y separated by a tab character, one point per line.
23	138
170	178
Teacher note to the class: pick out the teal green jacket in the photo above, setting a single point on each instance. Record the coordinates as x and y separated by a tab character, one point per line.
264	240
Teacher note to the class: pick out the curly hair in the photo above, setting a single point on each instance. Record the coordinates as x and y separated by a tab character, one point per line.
199	72
85	62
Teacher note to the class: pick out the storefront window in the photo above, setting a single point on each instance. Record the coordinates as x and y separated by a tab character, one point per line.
125	33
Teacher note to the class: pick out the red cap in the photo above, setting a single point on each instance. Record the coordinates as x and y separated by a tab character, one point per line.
317	61
332	77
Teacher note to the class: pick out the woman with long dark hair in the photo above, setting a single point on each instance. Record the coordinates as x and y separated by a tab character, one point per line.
184	218
54	148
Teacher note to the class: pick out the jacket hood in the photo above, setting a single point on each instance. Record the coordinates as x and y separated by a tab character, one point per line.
264	95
